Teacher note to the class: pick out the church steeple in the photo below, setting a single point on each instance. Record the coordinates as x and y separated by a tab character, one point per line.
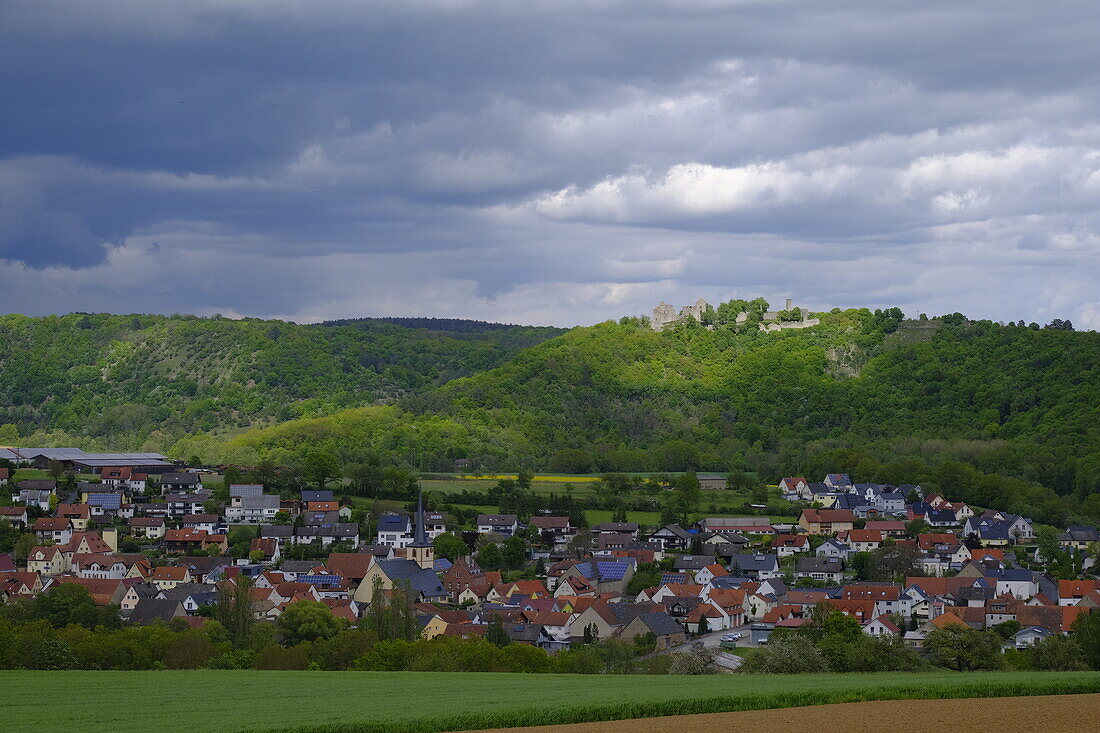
421	550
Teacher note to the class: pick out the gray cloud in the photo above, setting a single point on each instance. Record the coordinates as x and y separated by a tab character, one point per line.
561	162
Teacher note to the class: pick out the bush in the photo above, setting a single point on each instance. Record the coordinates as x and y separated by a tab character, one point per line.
1057	654
787	654
962	648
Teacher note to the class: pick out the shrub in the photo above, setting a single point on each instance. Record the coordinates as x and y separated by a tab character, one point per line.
789	654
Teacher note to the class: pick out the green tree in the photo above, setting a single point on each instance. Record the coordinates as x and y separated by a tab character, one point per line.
234	610
495	633
309	621
1057	653
917	526
1048	547
1086	632
490	557
450	546
514	553
964	649
787	654
320	467
69	603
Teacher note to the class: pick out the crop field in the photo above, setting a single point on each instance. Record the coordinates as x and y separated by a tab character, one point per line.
424	702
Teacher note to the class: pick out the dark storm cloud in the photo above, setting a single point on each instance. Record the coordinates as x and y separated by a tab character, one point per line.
554	161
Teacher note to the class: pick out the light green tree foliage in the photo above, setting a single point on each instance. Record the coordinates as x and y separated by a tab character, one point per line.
308	621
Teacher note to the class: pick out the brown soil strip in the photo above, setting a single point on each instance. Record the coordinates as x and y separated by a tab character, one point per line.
1047	713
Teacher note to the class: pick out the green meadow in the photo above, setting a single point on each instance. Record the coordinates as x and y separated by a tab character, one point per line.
424	702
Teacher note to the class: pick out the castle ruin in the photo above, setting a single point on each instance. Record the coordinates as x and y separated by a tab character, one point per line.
665	314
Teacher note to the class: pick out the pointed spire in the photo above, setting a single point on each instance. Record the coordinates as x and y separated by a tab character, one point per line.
421	538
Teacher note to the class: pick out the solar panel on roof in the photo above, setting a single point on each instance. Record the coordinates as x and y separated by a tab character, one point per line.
320	579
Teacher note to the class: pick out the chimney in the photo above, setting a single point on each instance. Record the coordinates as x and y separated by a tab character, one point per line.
790	302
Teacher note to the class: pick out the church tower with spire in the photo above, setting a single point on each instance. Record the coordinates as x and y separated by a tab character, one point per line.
421	551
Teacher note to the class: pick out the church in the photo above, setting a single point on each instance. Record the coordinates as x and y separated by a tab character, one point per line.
416	569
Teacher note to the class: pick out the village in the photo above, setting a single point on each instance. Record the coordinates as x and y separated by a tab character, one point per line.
146	538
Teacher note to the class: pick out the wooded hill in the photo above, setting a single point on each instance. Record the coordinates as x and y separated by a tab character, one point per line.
984	410
883	398
123	382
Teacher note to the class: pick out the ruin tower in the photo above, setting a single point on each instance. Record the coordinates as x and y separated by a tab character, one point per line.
663	314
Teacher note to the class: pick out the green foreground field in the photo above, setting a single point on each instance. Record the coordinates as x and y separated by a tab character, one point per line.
424	702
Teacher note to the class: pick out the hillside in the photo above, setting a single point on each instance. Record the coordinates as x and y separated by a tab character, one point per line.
134	380
1012	400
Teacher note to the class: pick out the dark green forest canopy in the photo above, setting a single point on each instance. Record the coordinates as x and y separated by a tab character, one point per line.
125	380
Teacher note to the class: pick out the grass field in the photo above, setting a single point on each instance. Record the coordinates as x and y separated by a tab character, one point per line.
424	702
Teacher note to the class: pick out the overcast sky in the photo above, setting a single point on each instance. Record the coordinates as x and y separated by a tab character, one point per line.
562	163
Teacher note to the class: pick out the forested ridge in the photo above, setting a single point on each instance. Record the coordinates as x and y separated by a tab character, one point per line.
982	408
128	381
887	399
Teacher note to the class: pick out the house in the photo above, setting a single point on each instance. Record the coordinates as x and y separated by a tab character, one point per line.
151	528
206	522
819	568
888	527
672	537
1079	537
110	566
34	497
268	548
239	491
705	575
826	521
886	597
435	523
19	584
833	548
838	481
193	596
744	525
47	561
1019	582
253	509
758	566
1070	592
124	477
617	528
556	530
604	620
999	528
180	504
152	610
16	516
668	631
793	487
104	592
326	534
786	545
881	626
394	531
1028	637
502	524
179	482
55	529
166	576
601	576
190	540
864	540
